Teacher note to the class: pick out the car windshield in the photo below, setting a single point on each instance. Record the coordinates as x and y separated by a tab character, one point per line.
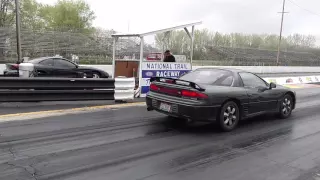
206	76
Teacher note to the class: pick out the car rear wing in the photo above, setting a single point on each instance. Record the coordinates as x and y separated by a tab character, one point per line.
178	82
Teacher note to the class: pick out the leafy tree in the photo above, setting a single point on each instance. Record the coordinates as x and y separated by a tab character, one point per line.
30	15
179	43
68	15
6	12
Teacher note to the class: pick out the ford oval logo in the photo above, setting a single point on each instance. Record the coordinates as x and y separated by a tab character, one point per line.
149	73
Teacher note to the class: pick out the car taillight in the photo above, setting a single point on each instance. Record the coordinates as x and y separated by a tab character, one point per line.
154	87
193	94
165	90
13	66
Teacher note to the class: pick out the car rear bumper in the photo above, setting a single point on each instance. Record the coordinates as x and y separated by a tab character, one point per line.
11	73
180	110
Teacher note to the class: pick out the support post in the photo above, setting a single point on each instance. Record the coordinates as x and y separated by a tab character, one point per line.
192	41
114	56
281	27
140	63
18	30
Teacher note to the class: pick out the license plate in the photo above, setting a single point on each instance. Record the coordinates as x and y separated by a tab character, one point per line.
165	107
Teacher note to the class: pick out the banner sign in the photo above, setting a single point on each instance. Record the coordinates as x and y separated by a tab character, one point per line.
180	58
161	69
293	80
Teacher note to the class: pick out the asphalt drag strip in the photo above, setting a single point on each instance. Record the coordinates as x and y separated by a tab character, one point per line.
30	110
130	143
30	107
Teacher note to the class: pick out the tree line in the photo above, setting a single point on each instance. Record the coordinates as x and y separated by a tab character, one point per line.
179	42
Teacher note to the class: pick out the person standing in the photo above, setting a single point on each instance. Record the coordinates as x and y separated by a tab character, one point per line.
168	57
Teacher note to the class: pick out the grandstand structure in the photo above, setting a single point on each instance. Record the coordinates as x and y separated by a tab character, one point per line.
90	48
38	43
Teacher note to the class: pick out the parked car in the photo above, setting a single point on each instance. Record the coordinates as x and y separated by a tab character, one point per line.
224	96
57	67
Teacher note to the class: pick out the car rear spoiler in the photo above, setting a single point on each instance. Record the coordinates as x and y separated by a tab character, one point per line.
174	81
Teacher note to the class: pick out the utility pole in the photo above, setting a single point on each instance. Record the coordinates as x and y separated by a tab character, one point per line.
281	27
18	30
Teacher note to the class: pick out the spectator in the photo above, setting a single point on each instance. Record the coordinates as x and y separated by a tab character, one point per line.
168	57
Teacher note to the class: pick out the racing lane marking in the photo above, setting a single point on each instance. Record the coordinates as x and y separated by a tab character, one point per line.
60	112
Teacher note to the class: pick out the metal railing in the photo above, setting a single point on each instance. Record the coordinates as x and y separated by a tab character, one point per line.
65	89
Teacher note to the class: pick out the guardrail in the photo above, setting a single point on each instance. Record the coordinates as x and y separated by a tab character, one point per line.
65	89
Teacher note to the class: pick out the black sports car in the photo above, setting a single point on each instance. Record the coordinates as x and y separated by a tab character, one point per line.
57	67
224	96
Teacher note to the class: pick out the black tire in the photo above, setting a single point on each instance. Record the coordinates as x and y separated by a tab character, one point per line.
229	116
285	108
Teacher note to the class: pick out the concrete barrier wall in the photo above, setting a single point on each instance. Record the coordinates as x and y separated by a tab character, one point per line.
2	67
254	69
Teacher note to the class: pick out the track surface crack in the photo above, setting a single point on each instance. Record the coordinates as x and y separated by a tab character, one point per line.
27	168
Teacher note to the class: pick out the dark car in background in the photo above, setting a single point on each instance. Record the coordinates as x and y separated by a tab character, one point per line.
224	96
57	67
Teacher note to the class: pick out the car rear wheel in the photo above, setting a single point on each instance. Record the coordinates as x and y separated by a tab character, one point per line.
229	116
286	105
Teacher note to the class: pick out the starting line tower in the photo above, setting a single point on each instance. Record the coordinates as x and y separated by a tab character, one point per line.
141	36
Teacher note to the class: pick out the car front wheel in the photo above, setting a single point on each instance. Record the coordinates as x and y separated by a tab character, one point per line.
229	116
286	105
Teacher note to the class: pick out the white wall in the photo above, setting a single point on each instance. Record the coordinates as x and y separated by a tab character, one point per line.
272	69
254	69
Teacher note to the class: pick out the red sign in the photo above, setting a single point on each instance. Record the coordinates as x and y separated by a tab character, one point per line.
154	57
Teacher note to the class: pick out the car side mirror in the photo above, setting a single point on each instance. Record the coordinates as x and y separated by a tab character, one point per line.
272	85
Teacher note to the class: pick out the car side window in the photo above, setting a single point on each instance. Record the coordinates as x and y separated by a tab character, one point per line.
47	62
60	63
227	81
251	80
